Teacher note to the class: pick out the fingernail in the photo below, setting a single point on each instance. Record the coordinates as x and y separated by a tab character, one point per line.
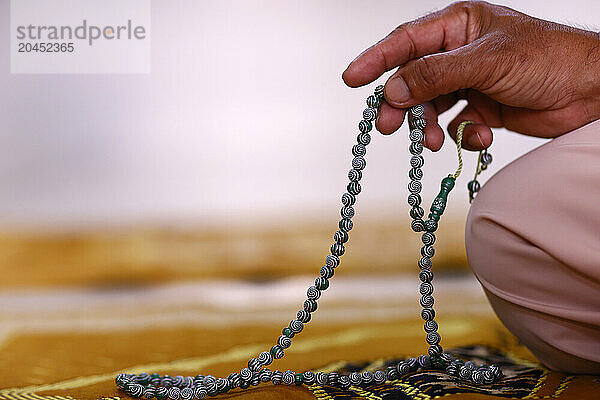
475	141
397	91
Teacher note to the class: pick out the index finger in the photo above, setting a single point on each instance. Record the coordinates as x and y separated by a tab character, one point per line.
447	29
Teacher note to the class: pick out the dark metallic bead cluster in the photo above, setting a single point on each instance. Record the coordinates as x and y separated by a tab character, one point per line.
200	386
484	160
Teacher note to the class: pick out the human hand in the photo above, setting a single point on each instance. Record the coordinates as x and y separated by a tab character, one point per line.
531	76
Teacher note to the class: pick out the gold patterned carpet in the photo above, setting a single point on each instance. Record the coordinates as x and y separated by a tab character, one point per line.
81	320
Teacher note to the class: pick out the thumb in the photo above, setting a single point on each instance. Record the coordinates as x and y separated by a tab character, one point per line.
434	75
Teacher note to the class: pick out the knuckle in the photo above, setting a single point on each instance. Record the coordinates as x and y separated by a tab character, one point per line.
427	73
469	6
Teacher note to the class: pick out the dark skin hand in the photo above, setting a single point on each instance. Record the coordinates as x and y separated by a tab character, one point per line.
528	75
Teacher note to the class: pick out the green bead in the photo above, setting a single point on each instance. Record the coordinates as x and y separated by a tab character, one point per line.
299	379
439	203
288	332
161	395
448	183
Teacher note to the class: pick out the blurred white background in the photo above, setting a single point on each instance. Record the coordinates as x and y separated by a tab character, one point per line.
243	118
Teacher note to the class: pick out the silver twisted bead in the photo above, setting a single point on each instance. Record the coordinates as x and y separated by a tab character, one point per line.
284	341
415	186
496	371
303	316
135	389
245	375
418	122
369	114
321	283
428	238
321	378
265	358
346	224
427	251
200	392
347	212
340	237
234	380
296	326
415	148
424	263
187	394
435	350
308	377
373	101
379	377
403	368
313	293
337	249
332	261
416	135
367	377
276	352
265	375
433	338
477	377
276	377
428	314
417	110
417	161
354	175
430	326
424	362
326	272
414	200
355	378
365	126
359	150
415	174
353	188
486	158
254	364
425	288
364	138
174	393
288	378
464	373
162	392
426	275
426	301
222	384
348	199
417	212
344	382
359	163
379	91
417	225
488	377
332	378
150	391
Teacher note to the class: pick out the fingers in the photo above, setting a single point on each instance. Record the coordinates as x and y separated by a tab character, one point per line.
389	119
434	134
447	29
476	136
434	75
